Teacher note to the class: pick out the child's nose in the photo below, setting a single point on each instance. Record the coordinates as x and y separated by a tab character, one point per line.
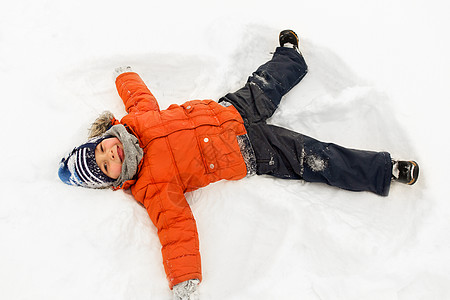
111	154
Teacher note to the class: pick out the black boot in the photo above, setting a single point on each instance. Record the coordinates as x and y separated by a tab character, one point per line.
288	36
405	171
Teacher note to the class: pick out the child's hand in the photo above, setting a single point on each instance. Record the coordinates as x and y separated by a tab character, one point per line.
187	290
121	70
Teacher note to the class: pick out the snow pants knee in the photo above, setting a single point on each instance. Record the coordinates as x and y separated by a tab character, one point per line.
290	155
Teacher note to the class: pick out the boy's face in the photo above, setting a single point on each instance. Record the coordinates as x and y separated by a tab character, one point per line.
109	156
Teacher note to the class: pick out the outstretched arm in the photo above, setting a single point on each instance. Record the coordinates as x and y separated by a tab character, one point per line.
177	231
133	91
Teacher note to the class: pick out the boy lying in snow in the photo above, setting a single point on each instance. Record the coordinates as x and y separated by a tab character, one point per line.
162	154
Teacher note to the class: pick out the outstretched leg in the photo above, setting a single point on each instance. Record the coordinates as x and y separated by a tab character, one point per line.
261	95
279	75
290	155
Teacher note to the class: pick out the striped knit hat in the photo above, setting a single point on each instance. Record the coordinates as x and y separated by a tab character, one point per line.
80	168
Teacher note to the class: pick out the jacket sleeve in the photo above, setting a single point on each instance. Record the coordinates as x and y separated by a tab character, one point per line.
177	232
134	93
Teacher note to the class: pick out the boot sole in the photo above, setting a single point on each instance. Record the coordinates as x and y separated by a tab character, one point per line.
415	173
289	31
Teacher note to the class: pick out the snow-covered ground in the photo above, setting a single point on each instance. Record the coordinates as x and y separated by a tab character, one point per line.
379	76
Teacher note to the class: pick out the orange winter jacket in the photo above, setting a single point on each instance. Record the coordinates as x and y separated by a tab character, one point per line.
185	147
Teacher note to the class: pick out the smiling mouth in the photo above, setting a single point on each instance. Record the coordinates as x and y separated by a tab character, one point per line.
120	153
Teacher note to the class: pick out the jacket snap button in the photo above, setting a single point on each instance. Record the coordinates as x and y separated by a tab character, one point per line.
206	140
211	166
188	107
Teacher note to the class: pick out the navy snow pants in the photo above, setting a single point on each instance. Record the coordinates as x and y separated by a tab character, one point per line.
290	155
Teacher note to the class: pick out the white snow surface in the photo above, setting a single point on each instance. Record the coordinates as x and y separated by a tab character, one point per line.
378	79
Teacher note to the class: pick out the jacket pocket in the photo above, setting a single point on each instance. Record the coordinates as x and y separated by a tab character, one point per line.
220	151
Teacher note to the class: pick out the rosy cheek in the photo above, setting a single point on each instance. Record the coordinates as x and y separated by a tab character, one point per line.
117	169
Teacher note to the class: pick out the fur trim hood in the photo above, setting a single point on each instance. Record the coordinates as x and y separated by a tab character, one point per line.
103	122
